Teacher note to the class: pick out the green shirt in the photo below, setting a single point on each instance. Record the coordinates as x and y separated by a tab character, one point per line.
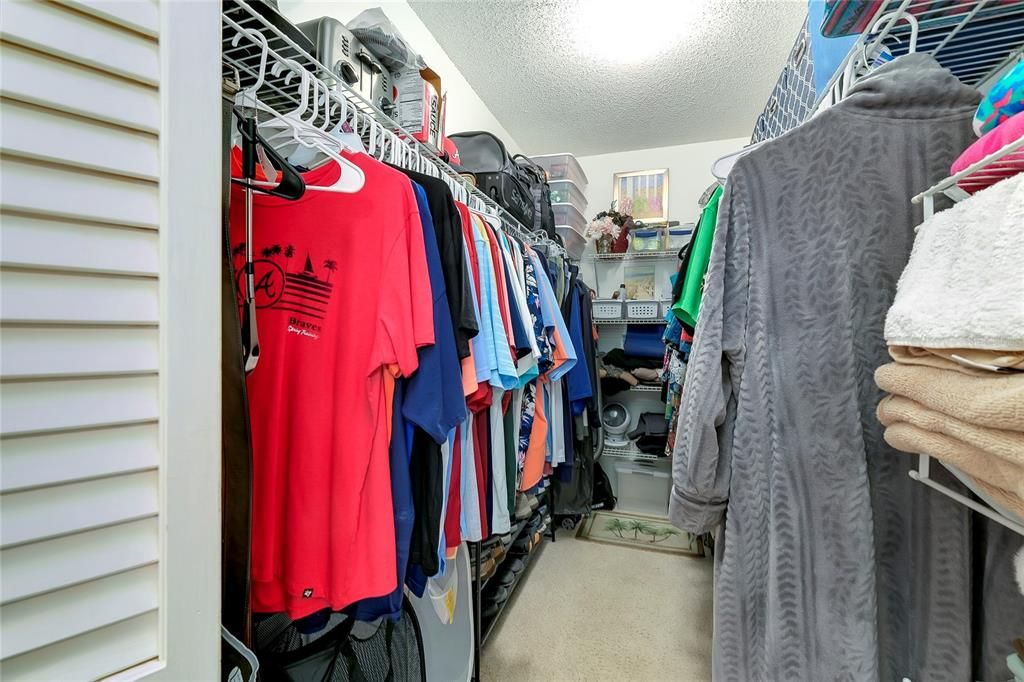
688	305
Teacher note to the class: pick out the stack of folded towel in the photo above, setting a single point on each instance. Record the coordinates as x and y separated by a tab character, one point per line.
956	334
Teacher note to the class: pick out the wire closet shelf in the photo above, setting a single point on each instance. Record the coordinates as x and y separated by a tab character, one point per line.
1001	164
973	39
243	30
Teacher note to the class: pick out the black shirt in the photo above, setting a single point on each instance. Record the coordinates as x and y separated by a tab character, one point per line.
448	228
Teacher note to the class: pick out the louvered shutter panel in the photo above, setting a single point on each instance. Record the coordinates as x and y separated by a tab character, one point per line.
80	343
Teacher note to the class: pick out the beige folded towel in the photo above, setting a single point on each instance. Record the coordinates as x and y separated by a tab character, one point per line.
995	401
976	463
1007	445
966	360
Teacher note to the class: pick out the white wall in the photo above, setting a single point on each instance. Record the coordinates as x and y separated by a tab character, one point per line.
466	111
689	173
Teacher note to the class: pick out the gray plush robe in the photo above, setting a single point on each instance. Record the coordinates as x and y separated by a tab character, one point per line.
833	564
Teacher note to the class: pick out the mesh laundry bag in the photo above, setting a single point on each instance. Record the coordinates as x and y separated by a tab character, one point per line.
343	651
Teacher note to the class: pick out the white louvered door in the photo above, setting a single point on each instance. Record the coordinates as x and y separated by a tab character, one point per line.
109	339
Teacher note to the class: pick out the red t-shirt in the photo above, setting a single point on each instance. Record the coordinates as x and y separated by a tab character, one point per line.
341	289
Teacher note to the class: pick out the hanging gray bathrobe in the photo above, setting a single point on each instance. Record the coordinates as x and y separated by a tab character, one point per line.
833	564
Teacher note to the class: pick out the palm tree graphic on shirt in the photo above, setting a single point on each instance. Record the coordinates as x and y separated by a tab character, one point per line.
331	266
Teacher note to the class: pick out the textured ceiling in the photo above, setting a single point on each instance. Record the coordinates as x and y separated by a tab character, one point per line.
556	88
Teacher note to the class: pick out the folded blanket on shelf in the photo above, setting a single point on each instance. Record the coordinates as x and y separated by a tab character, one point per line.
967	360
1003	481
962	287
1005	445
995	401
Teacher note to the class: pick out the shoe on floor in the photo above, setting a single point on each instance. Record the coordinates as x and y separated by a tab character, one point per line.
523	544
500	595
523	508
487	567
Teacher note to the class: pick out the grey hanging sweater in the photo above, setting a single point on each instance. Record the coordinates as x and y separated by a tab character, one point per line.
777	435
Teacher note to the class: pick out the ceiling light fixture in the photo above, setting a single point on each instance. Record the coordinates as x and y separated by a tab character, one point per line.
632	32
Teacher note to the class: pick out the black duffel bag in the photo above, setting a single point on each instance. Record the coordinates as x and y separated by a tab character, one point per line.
497	174
543	214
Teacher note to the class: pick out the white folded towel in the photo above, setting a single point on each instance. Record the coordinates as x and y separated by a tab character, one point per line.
964	284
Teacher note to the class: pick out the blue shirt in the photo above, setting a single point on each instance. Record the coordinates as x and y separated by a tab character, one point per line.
434	398
552	314
430	400
578	379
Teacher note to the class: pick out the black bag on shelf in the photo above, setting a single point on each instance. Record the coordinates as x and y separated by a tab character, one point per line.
497	174
543	215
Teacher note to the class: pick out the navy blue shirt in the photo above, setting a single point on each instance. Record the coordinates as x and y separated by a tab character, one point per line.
578	378
435	403
427	406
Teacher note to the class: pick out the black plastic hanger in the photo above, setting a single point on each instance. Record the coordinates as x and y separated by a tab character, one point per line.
291	186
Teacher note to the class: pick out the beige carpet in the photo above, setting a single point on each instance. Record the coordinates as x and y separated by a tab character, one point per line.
592	611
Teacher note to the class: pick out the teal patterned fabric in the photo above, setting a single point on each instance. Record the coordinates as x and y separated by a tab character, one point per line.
832	564
1005	99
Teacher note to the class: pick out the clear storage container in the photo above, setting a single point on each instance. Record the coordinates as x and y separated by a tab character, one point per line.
569	215
642	488
607	309
566	192
562	167
678	237
643	309
646	239
575	243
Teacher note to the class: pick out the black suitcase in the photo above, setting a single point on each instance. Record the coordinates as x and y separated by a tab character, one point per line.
497	174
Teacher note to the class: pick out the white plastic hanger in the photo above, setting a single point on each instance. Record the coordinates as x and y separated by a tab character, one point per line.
247	98
723	165
352	177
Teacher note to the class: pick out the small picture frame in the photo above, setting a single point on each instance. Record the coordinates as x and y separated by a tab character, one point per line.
642	194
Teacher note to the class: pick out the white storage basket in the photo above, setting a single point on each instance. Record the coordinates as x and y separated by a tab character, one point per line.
607	309
666	308
643	309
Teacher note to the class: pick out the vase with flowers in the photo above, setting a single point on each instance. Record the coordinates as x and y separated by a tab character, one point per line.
610	230
604	232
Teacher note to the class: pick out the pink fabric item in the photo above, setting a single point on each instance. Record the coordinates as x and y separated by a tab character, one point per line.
1003	134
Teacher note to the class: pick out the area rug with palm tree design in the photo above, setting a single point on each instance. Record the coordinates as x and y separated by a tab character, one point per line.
642	532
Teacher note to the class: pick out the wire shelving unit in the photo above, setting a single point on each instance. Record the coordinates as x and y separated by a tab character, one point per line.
246	23
1000	164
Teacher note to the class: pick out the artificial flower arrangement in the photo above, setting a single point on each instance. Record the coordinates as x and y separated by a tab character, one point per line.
608	228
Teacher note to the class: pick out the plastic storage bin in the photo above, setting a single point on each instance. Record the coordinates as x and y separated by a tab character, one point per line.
666	306
642	488
643	309
678	237
647	239
569	215
607	309
575	243
562	167
566	192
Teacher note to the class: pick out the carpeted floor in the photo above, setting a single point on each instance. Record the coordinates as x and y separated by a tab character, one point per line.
592	611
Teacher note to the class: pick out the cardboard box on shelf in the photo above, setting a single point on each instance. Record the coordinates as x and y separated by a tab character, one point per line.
420	105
